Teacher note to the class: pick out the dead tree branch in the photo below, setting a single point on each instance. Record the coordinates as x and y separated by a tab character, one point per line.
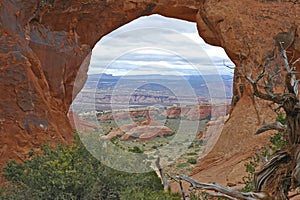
268	85
266	172
223	191
291	80
273	126
180	185
164	179
220	195
269	96
275	178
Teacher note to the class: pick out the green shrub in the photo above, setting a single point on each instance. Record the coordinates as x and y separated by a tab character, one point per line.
71	172
277	142
136	149
250	169
200	195
281	118
182	165
192	160
192	154
146	194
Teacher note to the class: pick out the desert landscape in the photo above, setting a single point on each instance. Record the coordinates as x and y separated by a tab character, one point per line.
249	151
152	117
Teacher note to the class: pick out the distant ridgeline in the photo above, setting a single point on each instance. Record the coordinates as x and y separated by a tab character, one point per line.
158	84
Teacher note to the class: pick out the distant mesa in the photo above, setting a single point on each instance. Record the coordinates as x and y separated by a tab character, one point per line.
149	129
197	112
127	114
140	131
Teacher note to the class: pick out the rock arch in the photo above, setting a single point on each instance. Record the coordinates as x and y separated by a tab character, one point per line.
43	43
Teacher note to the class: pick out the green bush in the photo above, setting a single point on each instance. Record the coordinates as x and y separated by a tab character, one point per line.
200	196
281	118
250	169
192	154
192	160
136	149
277	143
146	194
182	165
71	172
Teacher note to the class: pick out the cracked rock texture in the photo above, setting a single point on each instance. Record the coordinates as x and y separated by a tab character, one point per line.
46	44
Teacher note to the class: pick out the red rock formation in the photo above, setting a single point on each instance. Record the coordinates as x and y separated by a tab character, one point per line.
81	125
127	115
198	112
113	134
142	133
173	112
146	130
200	135
44	43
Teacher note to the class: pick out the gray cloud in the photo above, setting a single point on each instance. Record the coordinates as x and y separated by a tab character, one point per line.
157	44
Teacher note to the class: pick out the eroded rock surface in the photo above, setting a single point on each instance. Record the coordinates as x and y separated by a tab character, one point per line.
142	133
46	44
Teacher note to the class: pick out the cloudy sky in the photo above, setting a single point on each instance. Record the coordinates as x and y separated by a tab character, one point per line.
157	45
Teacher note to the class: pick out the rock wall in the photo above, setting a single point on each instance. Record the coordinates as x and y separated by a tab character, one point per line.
45	44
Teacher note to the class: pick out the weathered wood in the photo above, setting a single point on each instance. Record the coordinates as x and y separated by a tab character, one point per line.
273	126
225	191
163	177
282	171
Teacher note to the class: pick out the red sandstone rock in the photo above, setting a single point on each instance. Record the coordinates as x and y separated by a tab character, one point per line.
127	115
173	112
80	124
200	135
138	131
198	112
143	133
113	134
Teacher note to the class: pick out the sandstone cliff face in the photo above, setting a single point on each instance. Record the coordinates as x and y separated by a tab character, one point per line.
197	112
45	44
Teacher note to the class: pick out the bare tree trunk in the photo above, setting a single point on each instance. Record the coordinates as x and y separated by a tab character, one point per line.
163	176
275	177
282	172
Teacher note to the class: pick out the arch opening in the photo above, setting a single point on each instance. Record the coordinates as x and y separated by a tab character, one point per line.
154	79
